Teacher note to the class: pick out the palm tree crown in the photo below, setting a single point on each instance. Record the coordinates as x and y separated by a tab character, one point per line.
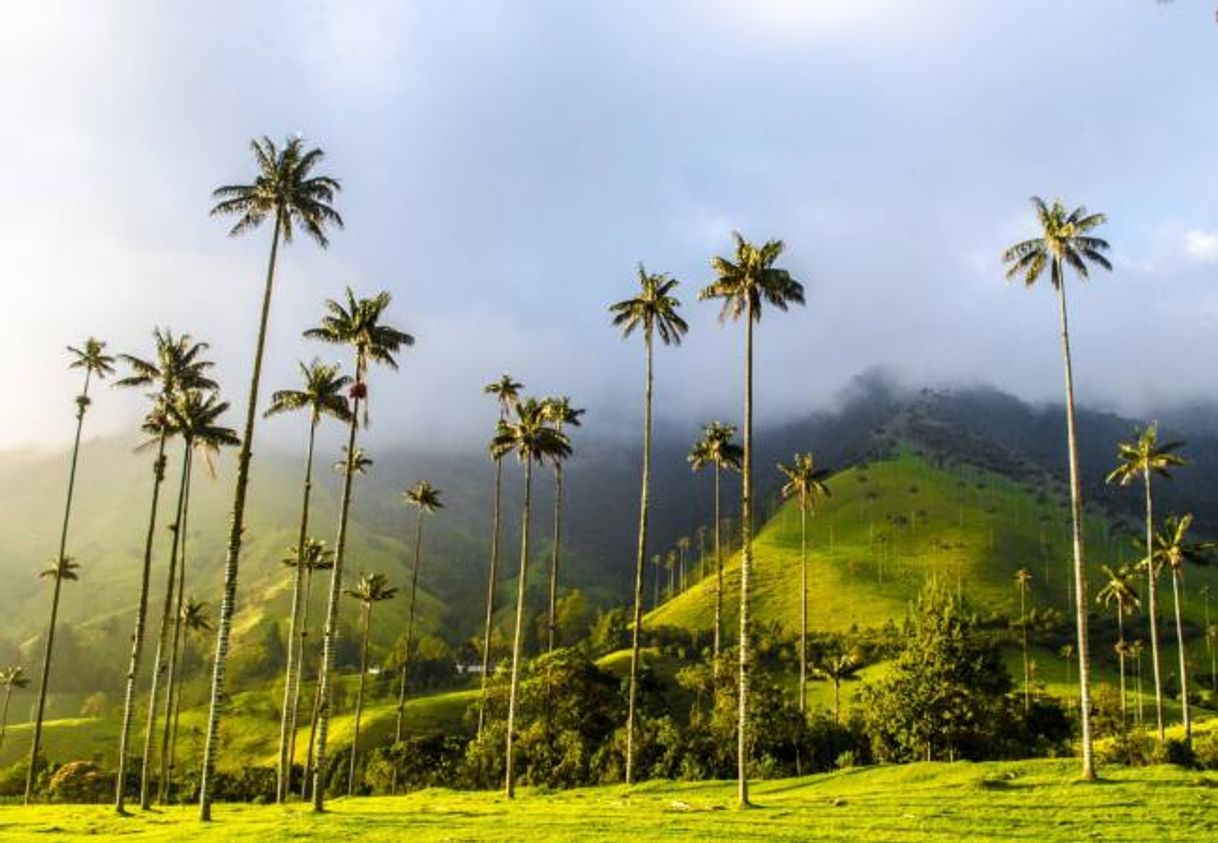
1173	548
716	447
1145	455
357	323
176	368
530	436
424	496
1063	242
751	280
13	677
321	393
506	392
805	481
654	309
1118	591
285	188
371	588
63	568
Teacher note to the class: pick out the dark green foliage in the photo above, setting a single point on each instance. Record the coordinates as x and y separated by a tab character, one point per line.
81	781
415	763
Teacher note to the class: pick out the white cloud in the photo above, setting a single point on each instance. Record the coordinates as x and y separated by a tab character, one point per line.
1201	245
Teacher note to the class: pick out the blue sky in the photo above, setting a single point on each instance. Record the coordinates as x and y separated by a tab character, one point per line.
507	164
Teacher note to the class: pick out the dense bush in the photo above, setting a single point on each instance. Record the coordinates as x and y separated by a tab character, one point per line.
414	764
81	781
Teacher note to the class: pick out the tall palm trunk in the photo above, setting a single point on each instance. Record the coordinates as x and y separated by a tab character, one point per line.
1023	624
746	566
553	622
1152	609
359	698
1080	575
291	685
158	660
300	659
414	588
82	404
228	605
306	784
8	696
490	594
173	692
137	637
330	635
1188	723
718	580
803	605
637	632
509	778
1121	659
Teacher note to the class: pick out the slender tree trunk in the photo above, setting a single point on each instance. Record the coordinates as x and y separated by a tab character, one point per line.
8	696
509	779
1188	723
553	620
1139	679
1023	623
291	684
137	637
158	660
837	699
491	578
746	566
414	587
1152	594
1080	574
1121	659
306	783
640	556
330	635
359	698
718	580
173	696
228	606
300	660
82	403
803	605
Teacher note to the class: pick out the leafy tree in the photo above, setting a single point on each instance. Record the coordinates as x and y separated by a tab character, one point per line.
11	679
321	394
653	312
805	483
356	323
560	414
192	416
944	695
371	589
92	358
425	498
286	189
1119	594
1172	549
718	448
1144	457
745	284
533	440
1065	242
176	369
507	393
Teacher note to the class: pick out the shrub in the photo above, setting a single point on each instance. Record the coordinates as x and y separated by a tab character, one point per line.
81	781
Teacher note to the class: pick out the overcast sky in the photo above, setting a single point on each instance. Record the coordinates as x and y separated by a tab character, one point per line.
507	164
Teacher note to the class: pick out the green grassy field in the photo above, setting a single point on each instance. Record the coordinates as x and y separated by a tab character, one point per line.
1031	800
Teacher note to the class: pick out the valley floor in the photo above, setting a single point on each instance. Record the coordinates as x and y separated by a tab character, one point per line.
1027	800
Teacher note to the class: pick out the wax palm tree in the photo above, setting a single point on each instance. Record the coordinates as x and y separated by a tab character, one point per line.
837	668
1066	243
1119	594
657	562
192	416
653	312
533	440
178	367
683	546
805	483
195	618
506	392
1023	581
11	678
322	393
1135	652
425	498
1172	549
357	323
1144	457
318	557
287	191
62	569
560	413
670	563
745	284
92	358
718	448
1204	591
371	589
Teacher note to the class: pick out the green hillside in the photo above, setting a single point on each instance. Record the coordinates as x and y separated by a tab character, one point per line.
889	525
